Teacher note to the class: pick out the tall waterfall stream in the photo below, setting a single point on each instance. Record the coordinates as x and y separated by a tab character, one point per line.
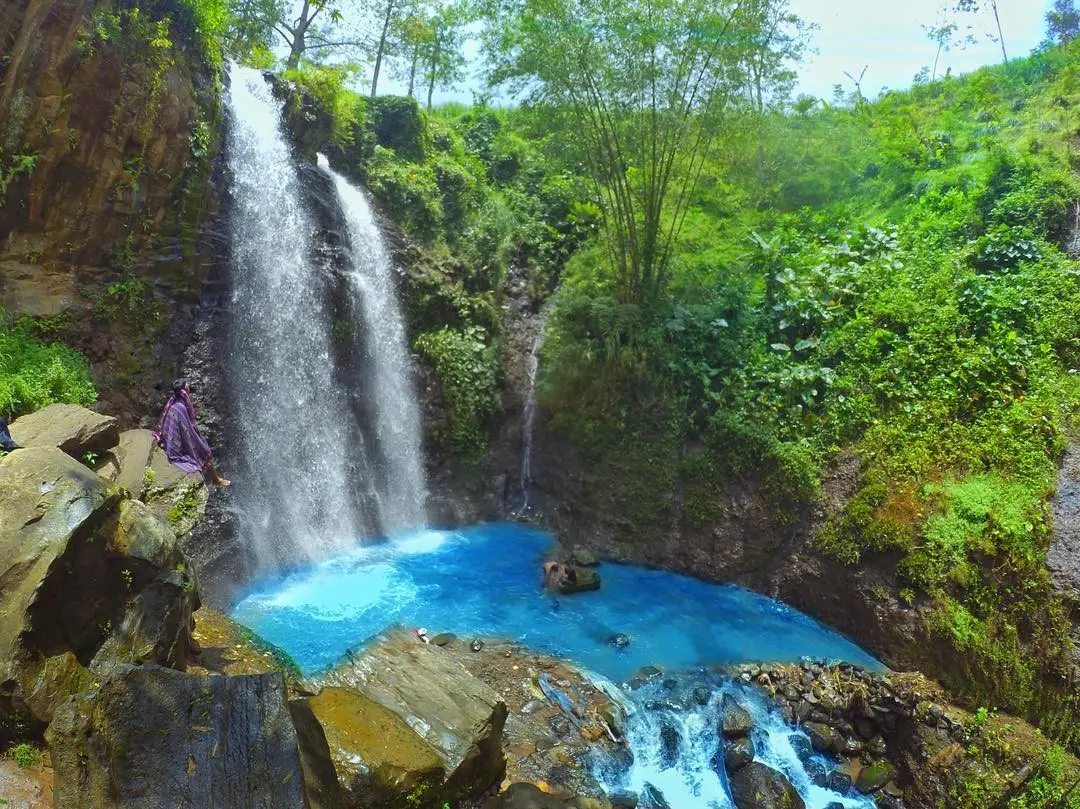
312	479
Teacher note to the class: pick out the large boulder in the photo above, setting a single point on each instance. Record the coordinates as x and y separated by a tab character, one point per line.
129	461
70	428
81	572
178	497
757	786
379	758
151	737
455	719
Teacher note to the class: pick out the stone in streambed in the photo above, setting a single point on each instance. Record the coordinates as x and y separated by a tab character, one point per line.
874	777
735	720
378	756
70	428
444	639
738	754
757	786
652	798
825	739
525	796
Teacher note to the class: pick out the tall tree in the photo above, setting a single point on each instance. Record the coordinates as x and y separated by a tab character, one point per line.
391	10
414	36
445	62
775	41
974	7
649	84
1062	22
316	27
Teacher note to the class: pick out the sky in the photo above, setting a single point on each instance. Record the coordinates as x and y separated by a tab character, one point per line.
885	36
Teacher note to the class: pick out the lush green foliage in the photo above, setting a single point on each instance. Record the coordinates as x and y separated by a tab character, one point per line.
35	372
468	369
887	279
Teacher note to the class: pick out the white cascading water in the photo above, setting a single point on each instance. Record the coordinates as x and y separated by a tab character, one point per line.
292	485
529	414
401	489
678	751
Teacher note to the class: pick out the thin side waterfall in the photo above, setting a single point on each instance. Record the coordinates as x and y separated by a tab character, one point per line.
292	484
529	414
394	414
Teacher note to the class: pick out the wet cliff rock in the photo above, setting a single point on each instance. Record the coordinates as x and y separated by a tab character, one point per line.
109	126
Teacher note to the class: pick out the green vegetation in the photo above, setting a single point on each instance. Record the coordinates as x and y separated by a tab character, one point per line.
995	754
887	280
35	371
25	755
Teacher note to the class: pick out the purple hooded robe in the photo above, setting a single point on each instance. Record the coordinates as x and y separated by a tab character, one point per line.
183	445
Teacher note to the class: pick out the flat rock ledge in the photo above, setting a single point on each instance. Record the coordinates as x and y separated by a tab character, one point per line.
406	723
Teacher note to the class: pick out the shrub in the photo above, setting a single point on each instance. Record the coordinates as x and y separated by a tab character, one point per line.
468	369
34	373
25	755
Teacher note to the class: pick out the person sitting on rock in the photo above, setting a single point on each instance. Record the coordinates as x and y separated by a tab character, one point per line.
185	448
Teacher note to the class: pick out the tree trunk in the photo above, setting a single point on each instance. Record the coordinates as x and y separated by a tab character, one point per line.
412	69
299	32
296	51
382	46
933	73
434	70
1001	36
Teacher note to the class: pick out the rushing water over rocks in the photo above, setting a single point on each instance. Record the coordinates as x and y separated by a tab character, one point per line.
291	483
484	581
391	406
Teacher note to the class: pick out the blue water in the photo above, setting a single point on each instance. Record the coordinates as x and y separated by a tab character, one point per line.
485	581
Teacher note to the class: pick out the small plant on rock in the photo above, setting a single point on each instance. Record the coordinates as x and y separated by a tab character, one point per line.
25	755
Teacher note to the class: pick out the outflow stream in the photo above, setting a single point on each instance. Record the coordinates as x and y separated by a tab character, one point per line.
484	581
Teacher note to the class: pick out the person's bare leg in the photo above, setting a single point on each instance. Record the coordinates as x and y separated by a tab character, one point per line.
212	473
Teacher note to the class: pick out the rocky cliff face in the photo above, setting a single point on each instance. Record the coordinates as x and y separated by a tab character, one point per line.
109	124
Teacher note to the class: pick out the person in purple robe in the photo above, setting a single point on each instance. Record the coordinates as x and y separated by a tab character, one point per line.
183	445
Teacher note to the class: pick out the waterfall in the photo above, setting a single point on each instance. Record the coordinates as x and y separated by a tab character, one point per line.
529	414
292	486
393	412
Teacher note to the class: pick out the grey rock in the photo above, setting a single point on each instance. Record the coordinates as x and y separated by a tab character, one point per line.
824	738
652	798
70	428
458	716
156	738
735	720
757	786
738	754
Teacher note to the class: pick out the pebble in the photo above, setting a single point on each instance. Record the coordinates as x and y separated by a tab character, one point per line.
478	644
619	641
